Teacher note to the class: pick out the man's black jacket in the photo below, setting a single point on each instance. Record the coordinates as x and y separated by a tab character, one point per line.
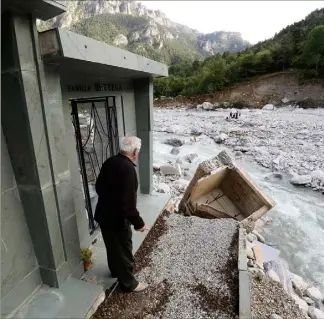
116	187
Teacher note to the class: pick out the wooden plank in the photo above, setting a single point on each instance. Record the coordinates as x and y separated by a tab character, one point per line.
229	207
208	184
240	193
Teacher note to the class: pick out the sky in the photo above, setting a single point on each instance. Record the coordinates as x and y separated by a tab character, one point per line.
256	20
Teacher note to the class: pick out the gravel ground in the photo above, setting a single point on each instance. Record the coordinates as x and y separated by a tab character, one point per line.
268	297
191	269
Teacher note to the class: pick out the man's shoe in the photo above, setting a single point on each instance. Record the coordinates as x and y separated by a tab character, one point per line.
140	287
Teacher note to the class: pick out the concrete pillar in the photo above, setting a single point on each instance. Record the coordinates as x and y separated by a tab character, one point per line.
60	161
26	133
143	92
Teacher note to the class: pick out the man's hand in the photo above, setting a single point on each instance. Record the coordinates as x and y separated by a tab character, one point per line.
143	229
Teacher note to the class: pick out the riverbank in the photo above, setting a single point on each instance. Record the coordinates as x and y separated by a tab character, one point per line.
262	137
280	88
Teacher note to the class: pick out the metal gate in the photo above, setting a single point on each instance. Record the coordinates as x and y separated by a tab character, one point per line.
96	133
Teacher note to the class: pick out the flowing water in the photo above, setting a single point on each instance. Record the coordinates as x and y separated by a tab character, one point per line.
297	226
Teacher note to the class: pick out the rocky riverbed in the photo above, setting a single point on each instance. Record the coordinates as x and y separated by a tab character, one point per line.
285	140
283	151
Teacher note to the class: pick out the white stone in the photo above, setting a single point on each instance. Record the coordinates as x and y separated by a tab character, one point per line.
207	106
275	316
315	313
309	301
156	166
259	237
164	188
298	282
302	304
221	138
318	175
250	254
168	169
181	184
251	238
285	100
314	293
273	275
268	107
172	129
301	179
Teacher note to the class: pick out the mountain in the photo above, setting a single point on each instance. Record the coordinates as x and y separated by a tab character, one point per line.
130	25
221	41
298	48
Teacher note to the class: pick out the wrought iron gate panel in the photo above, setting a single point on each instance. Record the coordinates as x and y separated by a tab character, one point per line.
97	138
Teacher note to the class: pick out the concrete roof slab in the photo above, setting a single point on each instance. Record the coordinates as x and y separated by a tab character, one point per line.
59	43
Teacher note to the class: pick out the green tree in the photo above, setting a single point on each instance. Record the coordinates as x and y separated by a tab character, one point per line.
263	60
313	53
246	62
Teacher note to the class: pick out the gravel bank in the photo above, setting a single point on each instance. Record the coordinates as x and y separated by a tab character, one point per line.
191	269
268	297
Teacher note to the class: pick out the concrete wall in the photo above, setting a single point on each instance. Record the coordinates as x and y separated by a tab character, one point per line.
19	270
71	219
34	136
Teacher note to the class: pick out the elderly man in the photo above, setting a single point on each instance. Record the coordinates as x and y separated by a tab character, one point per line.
116	211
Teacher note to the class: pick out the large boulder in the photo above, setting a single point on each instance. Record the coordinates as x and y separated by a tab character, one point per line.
298	283
221	138
302	304
174	142
283	274
164	188
275	316
314	293
315	313
168	169
301	179
207	106
181	184
268	107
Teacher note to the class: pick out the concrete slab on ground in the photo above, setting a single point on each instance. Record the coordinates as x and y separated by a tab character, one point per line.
74	299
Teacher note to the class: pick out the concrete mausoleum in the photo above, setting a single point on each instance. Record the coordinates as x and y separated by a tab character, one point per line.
66	100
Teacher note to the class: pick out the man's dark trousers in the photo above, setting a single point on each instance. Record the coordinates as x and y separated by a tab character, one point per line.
119	246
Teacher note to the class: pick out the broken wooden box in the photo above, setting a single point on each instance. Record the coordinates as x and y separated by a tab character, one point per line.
220	189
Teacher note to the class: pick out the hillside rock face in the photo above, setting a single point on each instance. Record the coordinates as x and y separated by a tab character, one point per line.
221	41
129	24
83	9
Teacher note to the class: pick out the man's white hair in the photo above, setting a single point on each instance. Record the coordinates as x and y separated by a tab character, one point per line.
130	144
